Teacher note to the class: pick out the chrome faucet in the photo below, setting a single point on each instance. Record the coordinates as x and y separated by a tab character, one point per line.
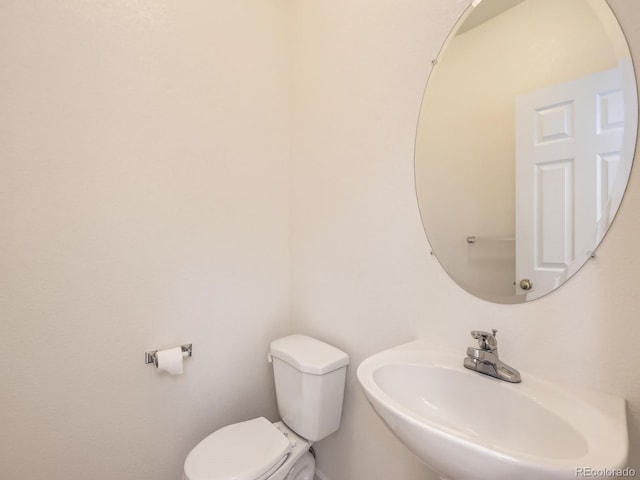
484	359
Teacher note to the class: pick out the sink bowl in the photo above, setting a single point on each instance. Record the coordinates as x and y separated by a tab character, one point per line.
469	426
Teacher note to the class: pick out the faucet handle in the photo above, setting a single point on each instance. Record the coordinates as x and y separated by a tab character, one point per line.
486	340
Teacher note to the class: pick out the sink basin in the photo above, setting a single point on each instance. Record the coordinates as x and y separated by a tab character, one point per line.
469	426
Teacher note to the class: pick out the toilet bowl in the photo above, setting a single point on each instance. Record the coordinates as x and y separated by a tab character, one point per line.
309	379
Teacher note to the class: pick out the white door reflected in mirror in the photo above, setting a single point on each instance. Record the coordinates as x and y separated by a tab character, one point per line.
569	140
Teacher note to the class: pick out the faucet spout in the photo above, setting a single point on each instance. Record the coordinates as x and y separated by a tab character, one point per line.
484	358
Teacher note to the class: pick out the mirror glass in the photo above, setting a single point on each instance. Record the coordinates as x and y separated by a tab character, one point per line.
525	143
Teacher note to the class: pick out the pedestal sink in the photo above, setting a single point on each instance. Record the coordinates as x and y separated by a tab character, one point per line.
468	426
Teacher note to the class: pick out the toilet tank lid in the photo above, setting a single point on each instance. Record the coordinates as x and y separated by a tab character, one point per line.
308	354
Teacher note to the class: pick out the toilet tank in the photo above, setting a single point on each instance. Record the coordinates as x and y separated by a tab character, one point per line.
309	378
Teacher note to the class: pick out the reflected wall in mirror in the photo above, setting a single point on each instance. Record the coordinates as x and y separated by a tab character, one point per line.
525	143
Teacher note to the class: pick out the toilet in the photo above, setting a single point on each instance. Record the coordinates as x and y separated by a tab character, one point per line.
309	378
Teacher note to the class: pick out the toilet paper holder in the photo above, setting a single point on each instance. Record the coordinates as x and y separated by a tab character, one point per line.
151	357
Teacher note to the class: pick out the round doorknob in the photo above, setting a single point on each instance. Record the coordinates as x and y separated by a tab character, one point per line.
526	284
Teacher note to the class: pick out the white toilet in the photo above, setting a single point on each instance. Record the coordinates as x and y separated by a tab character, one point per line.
309	378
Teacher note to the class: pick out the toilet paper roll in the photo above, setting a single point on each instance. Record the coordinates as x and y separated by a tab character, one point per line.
170	360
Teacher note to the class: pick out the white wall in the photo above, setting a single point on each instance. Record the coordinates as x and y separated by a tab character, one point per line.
362	277
361	271
143	204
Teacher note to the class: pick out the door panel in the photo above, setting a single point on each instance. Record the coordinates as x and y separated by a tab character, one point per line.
568	143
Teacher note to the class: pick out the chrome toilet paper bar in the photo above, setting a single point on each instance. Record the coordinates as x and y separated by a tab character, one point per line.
151	357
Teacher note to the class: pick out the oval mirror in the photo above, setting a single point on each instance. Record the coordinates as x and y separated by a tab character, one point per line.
525	143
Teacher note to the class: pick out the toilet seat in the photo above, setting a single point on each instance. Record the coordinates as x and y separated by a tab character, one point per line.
243	451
